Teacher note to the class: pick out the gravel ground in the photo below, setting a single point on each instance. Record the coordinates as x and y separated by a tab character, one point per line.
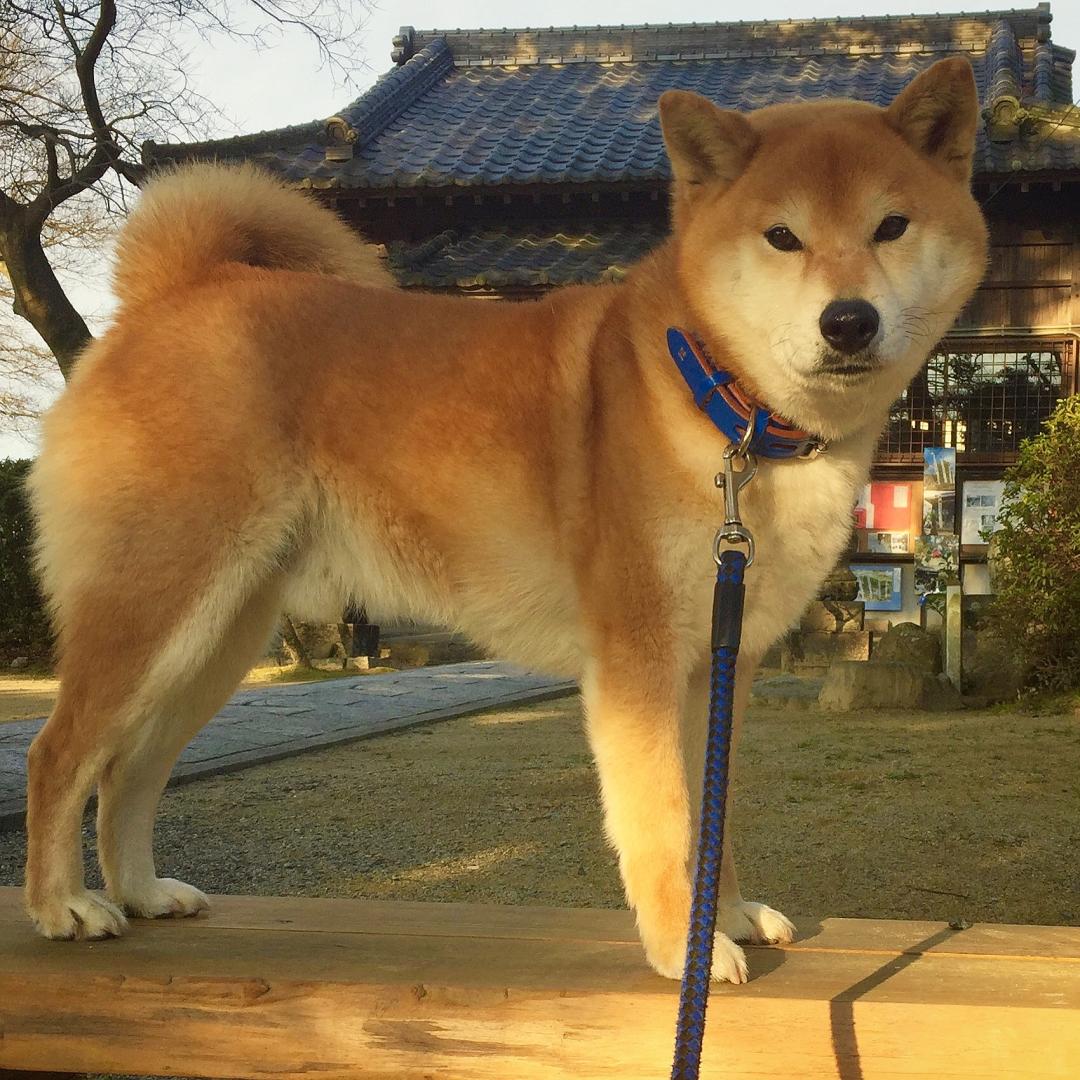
899	815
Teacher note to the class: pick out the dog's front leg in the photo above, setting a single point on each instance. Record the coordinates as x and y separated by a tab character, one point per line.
739	919
633	706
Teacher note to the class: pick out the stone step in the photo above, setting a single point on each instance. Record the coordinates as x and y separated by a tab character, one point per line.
787	691
853	686
810	669
819	646
835	616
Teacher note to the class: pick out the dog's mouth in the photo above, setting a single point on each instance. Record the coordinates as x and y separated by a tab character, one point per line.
846	368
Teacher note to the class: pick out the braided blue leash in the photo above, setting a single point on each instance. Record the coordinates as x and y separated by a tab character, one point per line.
694	993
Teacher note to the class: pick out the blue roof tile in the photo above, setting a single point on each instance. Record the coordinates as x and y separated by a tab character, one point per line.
483	108
505	258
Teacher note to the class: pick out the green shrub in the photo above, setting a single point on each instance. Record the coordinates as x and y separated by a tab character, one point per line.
1036	561
24	624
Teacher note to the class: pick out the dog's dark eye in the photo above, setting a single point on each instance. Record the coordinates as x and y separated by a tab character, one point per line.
783	239
892	228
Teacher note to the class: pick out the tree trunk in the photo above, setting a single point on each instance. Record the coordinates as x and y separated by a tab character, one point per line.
301	657
39	296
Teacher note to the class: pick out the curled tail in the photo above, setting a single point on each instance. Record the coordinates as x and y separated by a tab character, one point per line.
193	219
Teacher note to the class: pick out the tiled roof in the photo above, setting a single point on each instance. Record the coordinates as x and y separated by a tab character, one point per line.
578	106
502	258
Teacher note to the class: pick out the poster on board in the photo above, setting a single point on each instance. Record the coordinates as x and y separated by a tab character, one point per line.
939	490
879	587
884	507
937	560
887	543
981	504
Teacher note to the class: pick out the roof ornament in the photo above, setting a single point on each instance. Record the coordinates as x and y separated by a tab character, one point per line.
404	45
339	139
1043	18
1010	120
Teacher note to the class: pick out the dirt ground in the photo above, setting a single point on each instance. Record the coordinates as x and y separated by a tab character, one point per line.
896	815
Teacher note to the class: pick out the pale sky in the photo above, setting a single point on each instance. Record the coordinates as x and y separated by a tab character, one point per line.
283	84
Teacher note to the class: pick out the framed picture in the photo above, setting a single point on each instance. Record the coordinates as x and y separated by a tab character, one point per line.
939	490
981	503
937	558
887	543
880	587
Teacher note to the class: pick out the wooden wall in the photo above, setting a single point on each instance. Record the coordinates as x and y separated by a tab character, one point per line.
1033	278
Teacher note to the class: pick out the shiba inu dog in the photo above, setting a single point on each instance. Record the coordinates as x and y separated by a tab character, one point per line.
270	425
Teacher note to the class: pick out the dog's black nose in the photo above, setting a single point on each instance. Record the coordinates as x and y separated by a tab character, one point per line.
849	325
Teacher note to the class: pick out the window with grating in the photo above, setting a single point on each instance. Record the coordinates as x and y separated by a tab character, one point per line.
982	398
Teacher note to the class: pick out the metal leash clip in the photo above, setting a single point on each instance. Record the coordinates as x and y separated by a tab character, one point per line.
732	481
815	448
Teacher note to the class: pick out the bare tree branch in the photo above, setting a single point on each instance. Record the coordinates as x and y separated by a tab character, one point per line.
83	83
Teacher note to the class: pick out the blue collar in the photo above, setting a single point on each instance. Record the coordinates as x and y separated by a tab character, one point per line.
730	407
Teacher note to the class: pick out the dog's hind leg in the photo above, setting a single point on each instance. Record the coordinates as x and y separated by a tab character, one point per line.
136	633
63	765
133	780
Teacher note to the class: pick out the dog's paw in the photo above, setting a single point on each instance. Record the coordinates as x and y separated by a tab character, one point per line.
164	898
728	961
80	917
756	923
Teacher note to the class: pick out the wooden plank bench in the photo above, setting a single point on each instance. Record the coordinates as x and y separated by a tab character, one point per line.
342	988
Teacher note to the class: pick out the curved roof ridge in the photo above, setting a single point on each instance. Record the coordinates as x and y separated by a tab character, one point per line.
395	91
232	146
861	34
1005	72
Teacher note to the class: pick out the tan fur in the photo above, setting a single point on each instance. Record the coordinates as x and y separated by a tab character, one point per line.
195	219
267	426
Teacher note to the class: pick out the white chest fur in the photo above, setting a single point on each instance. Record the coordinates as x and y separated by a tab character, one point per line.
800	513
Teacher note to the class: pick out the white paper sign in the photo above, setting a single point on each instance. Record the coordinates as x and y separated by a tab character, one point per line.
982	501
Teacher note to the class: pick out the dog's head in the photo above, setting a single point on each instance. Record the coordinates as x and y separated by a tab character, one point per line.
828	245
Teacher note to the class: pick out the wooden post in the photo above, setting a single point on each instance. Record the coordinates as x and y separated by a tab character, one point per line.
364	638
361	990
953	630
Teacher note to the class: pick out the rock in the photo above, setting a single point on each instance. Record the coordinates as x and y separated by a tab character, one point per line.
319	639
941	695
841	584
990	671
907	643
773	658
20	662
855	684
786	691
835	616
822	646
790	651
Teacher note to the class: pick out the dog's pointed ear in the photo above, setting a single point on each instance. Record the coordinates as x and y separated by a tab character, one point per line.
706	144
938	114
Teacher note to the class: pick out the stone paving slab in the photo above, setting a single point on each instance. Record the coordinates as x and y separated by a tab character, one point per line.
270	723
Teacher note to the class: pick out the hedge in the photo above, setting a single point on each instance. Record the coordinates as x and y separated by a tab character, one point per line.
24	624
